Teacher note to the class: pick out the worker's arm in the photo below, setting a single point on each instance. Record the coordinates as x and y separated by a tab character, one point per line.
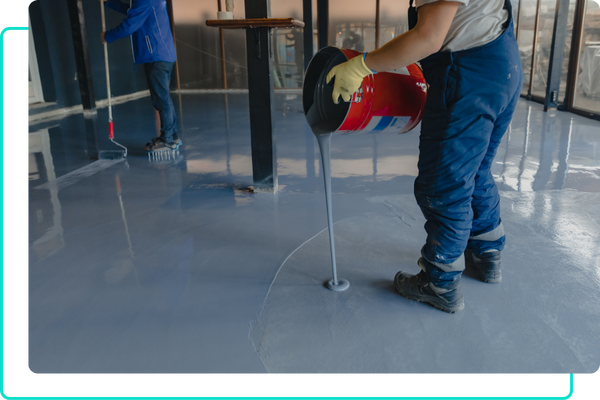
136	17
426	38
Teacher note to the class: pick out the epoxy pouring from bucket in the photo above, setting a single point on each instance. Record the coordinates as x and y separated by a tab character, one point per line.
386	102
324	146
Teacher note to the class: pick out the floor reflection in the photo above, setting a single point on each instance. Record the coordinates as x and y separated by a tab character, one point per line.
144	266
548	151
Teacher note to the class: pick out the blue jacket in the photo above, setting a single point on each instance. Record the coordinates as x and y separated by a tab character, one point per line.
147	22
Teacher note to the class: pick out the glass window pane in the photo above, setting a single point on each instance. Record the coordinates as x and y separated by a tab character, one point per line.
352	27
587	88
199	49
542	56
197	46
235	50
288	46
288	57
236	66
547	12
393	19
526	29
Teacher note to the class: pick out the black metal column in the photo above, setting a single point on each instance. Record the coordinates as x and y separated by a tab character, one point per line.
574	55
82	55
308	31
261	90
377	24
534	49
323	22
91	135
559	36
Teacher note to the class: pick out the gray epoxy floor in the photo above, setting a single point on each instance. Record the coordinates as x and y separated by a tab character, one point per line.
145	266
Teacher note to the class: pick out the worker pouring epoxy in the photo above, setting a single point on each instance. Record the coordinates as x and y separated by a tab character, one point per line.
147	22
471	61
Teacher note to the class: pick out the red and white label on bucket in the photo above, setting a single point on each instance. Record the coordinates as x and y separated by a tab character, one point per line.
386	124
358	95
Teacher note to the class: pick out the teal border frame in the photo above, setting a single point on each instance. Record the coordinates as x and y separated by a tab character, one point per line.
22	28
4	31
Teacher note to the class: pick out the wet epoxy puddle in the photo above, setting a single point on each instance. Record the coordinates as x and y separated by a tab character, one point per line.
81	279
544	318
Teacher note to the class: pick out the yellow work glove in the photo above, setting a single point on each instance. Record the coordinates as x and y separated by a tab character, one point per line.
348	77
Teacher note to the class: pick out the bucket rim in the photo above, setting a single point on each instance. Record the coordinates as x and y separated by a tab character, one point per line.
314	86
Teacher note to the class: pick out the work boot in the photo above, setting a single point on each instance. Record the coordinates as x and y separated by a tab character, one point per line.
160	145
447	298
176	140
486	265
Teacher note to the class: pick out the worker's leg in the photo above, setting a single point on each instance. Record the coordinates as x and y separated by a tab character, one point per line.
487	232
455	136
473	95
158	76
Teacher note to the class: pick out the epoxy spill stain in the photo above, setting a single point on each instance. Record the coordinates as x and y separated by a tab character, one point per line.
504	328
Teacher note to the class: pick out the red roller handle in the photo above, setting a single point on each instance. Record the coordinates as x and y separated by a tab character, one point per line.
111	132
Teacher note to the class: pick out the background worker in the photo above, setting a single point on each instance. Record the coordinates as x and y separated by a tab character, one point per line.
471	62
148	24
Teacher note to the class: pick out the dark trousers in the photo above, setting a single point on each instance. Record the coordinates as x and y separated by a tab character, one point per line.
470	102
158	76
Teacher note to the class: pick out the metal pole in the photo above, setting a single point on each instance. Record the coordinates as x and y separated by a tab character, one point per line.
323	22
82	54
574	56
222	44
308	32
376	24
534	48
260	95
106	66
559	36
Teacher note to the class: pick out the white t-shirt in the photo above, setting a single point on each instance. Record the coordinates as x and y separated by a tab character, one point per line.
477	22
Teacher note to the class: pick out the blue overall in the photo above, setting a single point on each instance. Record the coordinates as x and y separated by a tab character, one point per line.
471	99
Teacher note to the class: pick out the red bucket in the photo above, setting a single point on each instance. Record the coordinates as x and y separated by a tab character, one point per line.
386	102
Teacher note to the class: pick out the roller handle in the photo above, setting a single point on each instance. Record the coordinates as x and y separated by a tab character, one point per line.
111	132
106	65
